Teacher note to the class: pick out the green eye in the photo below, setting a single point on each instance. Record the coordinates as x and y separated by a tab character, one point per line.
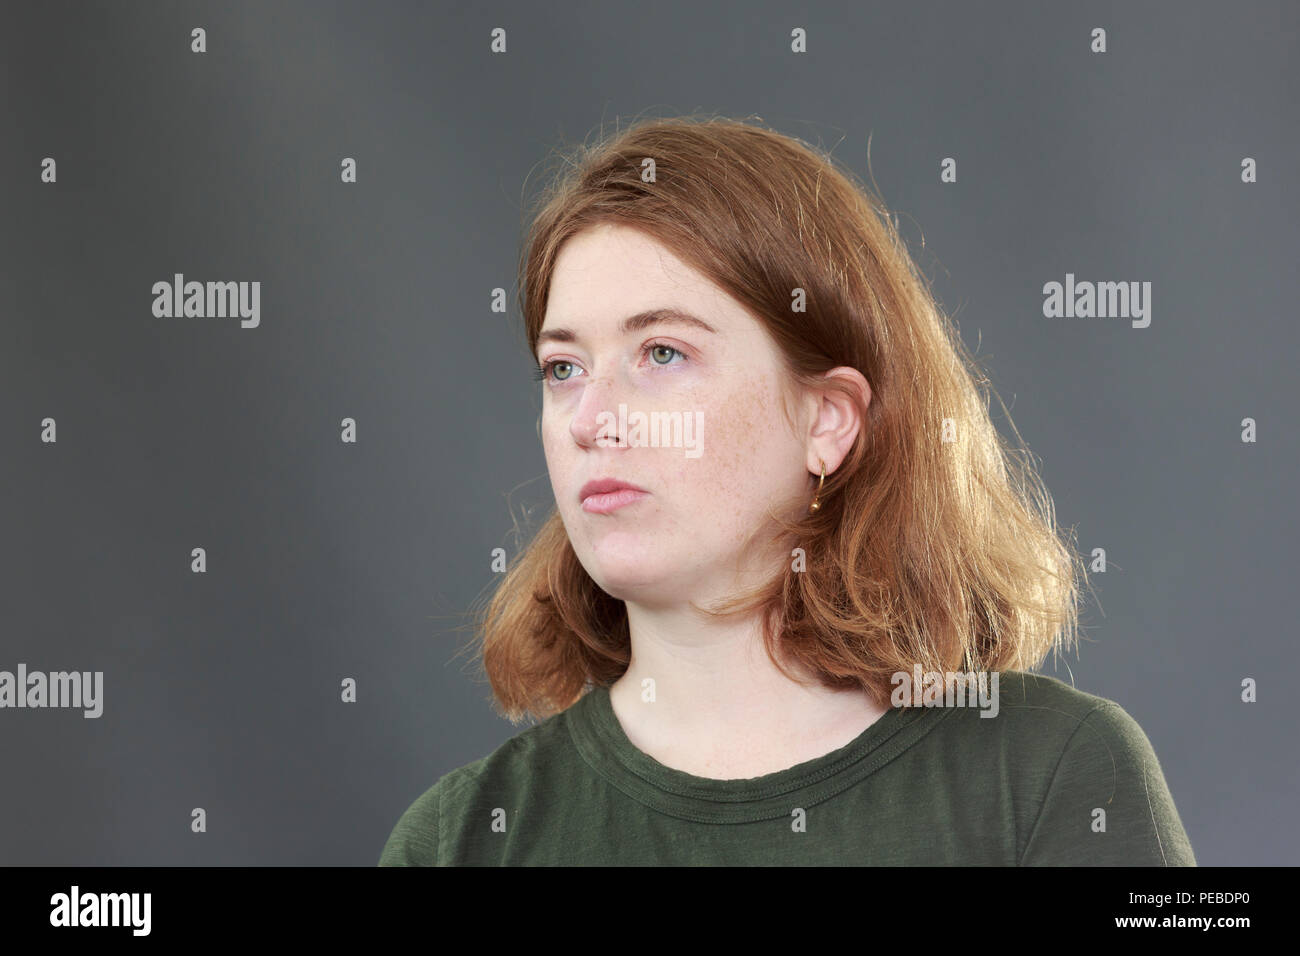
543	372
656	350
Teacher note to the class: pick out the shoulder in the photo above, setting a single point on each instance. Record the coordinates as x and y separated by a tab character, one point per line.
1095	780
1041	721
1036	714
1021	717
1038	699
1077	729
441	810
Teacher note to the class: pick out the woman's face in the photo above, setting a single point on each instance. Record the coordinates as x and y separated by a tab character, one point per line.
706	483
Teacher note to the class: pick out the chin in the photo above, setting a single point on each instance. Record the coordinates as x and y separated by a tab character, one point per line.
631	576
646	595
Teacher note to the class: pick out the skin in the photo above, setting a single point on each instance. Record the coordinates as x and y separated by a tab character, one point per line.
721	709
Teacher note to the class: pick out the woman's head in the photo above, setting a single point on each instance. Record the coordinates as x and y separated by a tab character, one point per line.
655	376
934	544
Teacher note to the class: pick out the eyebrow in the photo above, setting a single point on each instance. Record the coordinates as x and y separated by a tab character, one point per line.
635	323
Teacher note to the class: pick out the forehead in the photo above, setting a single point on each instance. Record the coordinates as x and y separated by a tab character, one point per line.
611	271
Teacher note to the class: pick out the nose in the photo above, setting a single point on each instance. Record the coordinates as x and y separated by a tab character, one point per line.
596	421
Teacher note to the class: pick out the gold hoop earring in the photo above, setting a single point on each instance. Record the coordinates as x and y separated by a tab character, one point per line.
816	502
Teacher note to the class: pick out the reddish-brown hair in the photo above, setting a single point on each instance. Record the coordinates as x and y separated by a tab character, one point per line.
936	541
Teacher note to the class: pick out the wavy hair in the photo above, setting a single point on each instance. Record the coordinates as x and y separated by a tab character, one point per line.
935	543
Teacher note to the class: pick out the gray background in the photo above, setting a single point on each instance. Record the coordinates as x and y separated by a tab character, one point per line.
328	560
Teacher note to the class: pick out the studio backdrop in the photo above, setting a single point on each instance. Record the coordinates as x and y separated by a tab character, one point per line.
254	530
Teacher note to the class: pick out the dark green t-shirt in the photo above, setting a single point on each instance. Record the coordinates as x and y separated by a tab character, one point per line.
1057	777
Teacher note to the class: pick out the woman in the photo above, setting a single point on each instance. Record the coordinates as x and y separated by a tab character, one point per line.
743	634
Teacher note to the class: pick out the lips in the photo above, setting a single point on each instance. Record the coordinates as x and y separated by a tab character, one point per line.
603	486
606	495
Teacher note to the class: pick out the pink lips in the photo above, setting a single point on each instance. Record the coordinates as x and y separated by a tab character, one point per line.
608	494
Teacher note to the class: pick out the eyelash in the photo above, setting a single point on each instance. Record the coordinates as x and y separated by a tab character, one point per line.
543	371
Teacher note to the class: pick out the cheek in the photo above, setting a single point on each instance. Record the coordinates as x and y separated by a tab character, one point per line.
552	432
556	450
744	436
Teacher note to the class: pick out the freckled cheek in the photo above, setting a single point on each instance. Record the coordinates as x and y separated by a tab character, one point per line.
556	442
733	441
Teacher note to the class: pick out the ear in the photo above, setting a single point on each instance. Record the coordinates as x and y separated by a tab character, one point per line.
837	417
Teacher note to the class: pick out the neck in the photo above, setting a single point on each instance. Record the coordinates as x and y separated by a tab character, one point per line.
702	696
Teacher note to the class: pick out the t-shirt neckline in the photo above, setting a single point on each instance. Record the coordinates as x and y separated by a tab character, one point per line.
603	744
